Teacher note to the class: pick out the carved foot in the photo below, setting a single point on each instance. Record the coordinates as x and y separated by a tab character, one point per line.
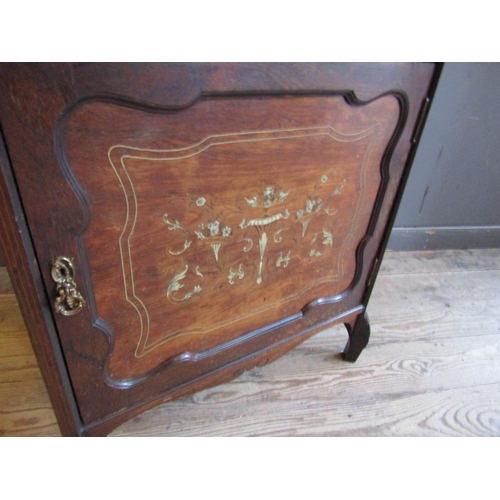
359	334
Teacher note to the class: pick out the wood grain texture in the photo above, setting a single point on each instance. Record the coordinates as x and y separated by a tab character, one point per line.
455	261
254	205
399	389
247	147
5	284
92	111
430	369
25	408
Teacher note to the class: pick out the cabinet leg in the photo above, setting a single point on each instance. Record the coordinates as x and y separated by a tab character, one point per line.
359	334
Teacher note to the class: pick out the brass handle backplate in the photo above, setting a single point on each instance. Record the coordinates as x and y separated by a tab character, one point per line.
69	301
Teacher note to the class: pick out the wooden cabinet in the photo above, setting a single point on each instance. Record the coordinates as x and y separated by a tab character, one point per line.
168	226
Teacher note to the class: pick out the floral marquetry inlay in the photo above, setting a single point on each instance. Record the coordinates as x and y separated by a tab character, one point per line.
222	240
313	206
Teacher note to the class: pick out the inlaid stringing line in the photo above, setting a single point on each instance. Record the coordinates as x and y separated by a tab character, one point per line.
215	136
130	254
361	136
363	182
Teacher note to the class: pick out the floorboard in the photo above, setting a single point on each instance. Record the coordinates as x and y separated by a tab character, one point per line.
432	367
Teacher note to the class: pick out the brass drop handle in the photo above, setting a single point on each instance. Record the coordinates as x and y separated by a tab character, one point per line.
69	301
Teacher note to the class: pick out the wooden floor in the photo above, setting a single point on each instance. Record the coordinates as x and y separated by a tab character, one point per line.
432	367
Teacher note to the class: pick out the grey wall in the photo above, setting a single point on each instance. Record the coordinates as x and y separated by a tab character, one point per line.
452	199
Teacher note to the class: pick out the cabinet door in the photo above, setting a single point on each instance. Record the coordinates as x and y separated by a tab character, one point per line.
203	213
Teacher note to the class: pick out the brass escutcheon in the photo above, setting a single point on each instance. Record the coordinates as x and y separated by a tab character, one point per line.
69	301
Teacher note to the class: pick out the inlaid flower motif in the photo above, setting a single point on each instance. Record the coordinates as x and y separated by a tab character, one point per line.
340	188
252	202
268	192
213	227
172	225
226	231
282	196
327	237
310	206
324	179
200	201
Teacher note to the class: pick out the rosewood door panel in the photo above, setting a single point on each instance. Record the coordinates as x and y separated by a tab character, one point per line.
206	223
